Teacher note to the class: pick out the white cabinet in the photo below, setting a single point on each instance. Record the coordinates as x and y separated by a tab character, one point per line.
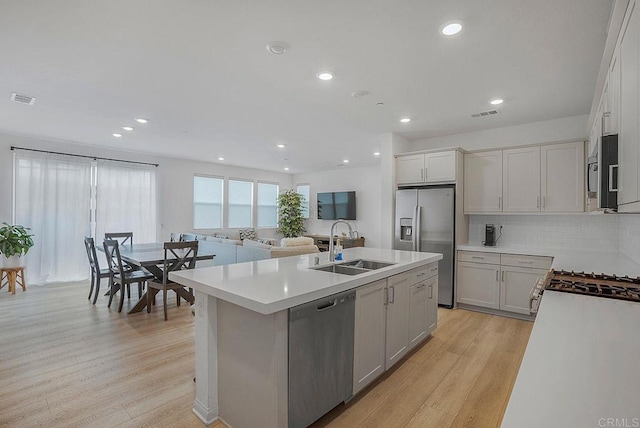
499	281
521	179
439	167
432	304
629	135
397	318
417	313
483	182
369	334
392	316
516	284
562	177
612	114
479	284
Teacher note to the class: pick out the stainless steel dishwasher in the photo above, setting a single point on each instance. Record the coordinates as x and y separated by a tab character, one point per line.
320	356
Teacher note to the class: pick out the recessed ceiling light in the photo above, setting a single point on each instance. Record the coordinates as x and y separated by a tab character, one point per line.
142	120
277	48
345	161
281	146
220	158
117	135
325	75
496	101
127	128
405	120
286	168
376	153
451	28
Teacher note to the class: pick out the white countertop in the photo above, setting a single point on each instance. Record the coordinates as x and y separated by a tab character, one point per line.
580	366
609	262
272	285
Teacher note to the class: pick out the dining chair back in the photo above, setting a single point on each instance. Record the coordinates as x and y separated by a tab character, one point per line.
121	277
189	237
176	237
96	273
123	238
177	256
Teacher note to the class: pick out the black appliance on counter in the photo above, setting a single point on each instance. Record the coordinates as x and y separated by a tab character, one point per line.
489	236
602	178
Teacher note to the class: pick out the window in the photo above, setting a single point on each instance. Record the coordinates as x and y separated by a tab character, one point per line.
240	203
207	202
267	205
304	190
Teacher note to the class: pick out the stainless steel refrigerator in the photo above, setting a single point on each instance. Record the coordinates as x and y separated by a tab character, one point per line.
424	221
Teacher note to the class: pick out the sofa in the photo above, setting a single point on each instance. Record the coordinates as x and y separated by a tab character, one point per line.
229	251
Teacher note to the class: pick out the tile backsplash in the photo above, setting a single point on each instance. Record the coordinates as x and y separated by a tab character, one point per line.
630	236
601	232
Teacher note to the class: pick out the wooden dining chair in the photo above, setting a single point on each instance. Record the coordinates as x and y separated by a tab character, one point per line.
177	256
120	277
97	274
123	238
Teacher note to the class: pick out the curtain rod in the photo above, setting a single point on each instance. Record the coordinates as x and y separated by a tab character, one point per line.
82	156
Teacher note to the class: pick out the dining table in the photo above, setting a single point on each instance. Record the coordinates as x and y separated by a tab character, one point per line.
150	256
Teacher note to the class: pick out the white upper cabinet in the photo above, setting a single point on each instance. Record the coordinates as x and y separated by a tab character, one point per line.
432	168
562	177
521	179
629	132
611	122
483	182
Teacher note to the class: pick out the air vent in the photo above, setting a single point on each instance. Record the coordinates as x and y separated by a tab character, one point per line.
485	113
23	99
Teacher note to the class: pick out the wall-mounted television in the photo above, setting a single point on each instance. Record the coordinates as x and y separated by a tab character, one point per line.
337	206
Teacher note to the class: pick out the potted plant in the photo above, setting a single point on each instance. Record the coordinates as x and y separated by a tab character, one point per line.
15	241
290	219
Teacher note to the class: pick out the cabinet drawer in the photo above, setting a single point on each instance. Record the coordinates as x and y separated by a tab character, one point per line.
538	262
479	257
422	273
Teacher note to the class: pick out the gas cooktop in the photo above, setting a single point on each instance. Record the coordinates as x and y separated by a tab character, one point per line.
592	284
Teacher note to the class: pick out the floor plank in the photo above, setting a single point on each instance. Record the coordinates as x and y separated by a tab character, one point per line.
67	363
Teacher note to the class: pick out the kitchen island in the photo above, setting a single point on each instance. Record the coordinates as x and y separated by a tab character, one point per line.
241	326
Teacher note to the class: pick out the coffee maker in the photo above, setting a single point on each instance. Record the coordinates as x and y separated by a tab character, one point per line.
489	235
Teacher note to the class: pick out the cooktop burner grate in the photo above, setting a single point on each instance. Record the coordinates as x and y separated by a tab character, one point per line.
592	284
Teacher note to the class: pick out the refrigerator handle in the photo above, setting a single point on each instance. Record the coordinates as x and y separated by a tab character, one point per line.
416	234
414	228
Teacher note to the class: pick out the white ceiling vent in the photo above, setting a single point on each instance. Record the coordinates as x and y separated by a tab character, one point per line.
485	113
23	99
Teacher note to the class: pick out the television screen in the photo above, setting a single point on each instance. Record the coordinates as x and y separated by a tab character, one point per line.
337	205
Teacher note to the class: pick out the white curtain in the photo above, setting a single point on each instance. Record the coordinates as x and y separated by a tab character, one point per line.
52	197
126	200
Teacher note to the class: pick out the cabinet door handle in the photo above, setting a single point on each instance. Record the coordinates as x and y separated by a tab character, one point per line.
431	291
526	262
477	257
502	276
420	274
544	202
393	294
538	202
497	277
434	269
426	174
421	174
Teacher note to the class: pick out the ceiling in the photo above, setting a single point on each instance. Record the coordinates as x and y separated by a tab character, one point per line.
199	71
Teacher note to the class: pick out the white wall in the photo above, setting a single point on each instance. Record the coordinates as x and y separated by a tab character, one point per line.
175	180
587	232
565	129
365	181
630	236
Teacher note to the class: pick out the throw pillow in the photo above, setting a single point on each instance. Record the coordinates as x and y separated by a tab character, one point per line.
248	234
294	242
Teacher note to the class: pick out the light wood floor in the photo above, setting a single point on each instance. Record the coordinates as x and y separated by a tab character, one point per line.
67	363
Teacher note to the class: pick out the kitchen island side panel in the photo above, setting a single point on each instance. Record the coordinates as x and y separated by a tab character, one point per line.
252	367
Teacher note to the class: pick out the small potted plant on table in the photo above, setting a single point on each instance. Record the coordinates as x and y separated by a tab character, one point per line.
15	241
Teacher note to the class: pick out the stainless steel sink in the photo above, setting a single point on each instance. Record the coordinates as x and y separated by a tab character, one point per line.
353	267
344	270
366	264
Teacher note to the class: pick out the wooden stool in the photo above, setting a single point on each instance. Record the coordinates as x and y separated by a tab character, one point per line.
11	276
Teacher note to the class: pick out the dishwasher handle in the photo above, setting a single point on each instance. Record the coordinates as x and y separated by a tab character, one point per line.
330	304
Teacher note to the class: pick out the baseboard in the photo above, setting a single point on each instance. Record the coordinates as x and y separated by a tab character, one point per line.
207	416
496	312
